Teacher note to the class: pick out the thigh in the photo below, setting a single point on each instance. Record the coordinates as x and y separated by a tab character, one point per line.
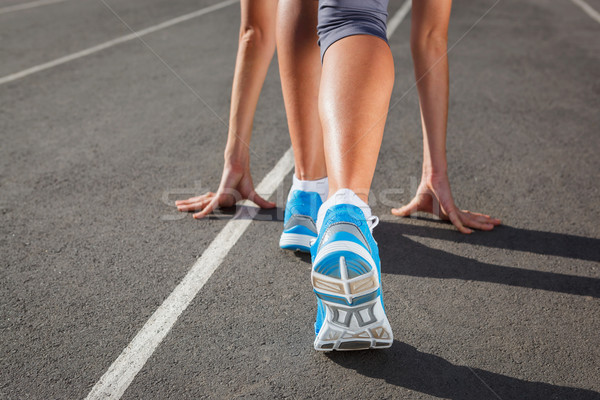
342	18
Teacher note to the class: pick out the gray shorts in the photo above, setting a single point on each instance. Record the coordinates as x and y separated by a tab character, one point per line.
341	18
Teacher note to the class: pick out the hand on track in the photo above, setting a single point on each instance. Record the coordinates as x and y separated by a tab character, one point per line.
434	197
236	185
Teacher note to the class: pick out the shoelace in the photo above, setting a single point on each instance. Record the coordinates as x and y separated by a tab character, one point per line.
373	221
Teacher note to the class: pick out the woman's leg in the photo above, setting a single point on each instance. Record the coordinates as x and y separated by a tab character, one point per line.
300	70
356	85
355	90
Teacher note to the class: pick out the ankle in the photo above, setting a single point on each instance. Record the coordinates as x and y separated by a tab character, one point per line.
363	195
343	196
320	186
310	173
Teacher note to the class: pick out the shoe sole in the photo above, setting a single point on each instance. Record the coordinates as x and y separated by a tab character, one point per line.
296	242
346	280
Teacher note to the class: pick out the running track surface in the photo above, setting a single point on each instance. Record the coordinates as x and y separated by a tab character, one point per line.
95	149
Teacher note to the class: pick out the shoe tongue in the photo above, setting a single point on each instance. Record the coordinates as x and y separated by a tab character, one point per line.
342	196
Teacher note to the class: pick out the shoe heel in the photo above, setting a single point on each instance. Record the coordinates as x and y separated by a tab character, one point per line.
355	318
295	242
354	328
345	279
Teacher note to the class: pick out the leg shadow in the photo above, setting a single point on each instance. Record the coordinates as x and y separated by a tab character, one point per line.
403	365
508	237
401	255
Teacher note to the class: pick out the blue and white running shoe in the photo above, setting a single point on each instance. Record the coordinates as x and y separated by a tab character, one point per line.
299	224
347	281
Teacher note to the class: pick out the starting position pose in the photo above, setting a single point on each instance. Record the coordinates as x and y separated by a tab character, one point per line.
337	96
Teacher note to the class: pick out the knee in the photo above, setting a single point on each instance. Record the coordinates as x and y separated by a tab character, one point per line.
431	41
252	36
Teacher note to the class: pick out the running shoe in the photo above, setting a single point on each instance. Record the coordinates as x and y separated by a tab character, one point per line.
346	278
299	228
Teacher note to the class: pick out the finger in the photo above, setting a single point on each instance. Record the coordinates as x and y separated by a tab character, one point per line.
199	205
194	199
262	203
486	219
187	201
447	206
208	209
455	219
473	222
490	220
476	214
496	221
408	209
190	207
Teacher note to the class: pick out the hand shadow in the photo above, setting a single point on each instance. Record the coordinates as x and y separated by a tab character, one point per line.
401	255
403	365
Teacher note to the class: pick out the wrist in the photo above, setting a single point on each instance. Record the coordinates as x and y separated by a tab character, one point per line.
237	158
434	169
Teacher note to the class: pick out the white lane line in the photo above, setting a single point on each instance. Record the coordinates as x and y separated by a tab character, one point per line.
114	42
121	373
27	6
588	9
397	19
123	370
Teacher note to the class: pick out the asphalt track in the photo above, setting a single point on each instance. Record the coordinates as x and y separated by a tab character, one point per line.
94	151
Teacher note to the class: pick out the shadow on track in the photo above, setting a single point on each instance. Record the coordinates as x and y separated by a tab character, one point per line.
405	366
401	255
507	237
248	212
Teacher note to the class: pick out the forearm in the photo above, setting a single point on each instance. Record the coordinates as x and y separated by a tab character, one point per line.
254	55
429	42
431	73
